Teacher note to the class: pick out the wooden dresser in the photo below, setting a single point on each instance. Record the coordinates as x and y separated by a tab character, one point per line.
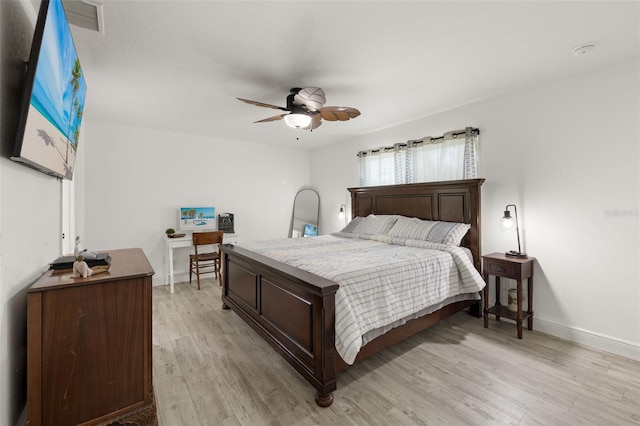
89	345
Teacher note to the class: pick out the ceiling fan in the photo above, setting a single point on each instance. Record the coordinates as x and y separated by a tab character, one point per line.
305	109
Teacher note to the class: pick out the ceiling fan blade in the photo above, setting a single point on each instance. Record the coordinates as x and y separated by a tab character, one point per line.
335	113
262	104
274	118
316	121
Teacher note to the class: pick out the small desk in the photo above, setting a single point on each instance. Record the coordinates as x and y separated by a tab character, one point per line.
186	241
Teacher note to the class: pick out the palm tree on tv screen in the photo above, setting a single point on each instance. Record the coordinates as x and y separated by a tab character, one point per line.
76	75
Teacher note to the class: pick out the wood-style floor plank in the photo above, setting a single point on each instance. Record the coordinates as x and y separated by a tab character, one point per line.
210	368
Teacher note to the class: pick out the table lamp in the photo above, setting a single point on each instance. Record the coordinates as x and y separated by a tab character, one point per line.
508	223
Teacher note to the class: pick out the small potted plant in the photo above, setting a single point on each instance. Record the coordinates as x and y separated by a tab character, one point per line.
170	232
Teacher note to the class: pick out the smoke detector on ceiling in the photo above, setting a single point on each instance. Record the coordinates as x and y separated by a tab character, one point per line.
583	49
85	13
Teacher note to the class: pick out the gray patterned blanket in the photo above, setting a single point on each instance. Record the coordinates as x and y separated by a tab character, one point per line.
382	280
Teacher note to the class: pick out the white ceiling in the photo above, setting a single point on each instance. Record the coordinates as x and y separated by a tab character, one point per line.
179	65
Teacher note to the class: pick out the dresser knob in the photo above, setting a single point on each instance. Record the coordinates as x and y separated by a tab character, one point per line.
500	269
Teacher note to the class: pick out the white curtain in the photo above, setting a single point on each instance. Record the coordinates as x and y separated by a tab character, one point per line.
384	166
449	157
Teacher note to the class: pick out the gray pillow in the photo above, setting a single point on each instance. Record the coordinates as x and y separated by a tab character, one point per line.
375	224
411	228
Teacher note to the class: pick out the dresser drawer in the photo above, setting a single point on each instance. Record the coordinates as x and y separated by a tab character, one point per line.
501	269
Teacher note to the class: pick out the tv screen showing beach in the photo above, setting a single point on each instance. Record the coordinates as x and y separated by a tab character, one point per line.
196	218
50	124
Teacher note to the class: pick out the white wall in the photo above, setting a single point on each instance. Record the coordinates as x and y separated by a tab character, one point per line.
567	154
137	178
30	230
30	219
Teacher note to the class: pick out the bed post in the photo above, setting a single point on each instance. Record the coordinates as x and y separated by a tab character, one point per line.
475	239
293	310
327	364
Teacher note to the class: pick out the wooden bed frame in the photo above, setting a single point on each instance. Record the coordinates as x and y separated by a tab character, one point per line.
294	311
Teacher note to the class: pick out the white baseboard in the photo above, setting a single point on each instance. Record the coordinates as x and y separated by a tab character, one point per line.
589	338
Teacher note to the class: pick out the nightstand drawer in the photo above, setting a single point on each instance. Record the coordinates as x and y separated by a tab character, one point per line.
501	269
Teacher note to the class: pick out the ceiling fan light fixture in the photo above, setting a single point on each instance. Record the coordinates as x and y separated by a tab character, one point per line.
297	121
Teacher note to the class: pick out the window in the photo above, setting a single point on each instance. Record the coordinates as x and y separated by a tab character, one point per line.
449	157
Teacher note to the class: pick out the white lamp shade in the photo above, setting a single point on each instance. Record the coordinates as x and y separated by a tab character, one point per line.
297	120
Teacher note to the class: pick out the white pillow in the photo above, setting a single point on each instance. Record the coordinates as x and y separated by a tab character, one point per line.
375	225
449	233
351	225
411	228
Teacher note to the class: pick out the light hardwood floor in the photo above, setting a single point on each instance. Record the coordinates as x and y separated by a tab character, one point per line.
210	368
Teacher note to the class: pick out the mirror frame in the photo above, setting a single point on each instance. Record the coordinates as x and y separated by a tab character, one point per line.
293	210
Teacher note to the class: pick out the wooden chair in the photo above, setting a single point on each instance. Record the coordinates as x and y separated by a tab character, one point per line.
209	261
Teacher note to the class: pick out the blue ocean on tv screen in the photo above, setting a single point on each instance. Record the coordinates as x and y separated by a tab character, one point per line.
197	216
59	89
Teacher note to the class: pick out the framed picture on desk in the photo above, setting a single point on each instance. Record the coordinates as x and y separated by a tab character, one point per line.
197	218
310	230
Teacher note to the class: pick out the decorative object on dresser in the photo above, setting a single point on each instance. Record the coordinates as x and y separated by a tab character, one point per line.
295	310
89	345
77	248
502	266
81	268
508	223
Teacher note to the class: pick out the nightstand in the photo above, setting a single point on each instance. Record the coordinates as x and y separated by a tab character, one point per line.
501	266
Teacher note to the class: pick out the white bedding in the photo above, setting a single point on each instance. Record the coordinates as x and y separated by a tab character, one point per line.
382	280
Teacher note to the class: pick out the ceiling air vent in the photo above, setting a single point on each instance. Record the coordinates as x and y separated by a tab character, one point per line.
85	13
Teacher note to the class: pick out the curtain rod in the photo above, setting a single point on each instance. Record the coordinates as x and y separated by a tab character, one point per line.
428	139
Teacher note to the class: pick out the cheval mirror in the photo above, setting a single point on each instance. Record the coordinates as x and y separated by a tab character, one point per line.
304	218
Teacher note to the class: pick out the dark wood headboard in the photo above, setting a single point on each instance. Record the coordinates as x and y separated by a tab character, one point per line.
450	201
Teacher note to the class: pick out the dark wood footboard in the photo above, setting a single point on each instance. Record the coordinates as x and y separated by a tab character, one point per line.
291	309
294	311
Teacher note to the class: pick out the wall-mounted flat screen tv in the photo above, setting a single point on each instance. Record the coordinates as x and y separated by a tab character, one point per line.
53	99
